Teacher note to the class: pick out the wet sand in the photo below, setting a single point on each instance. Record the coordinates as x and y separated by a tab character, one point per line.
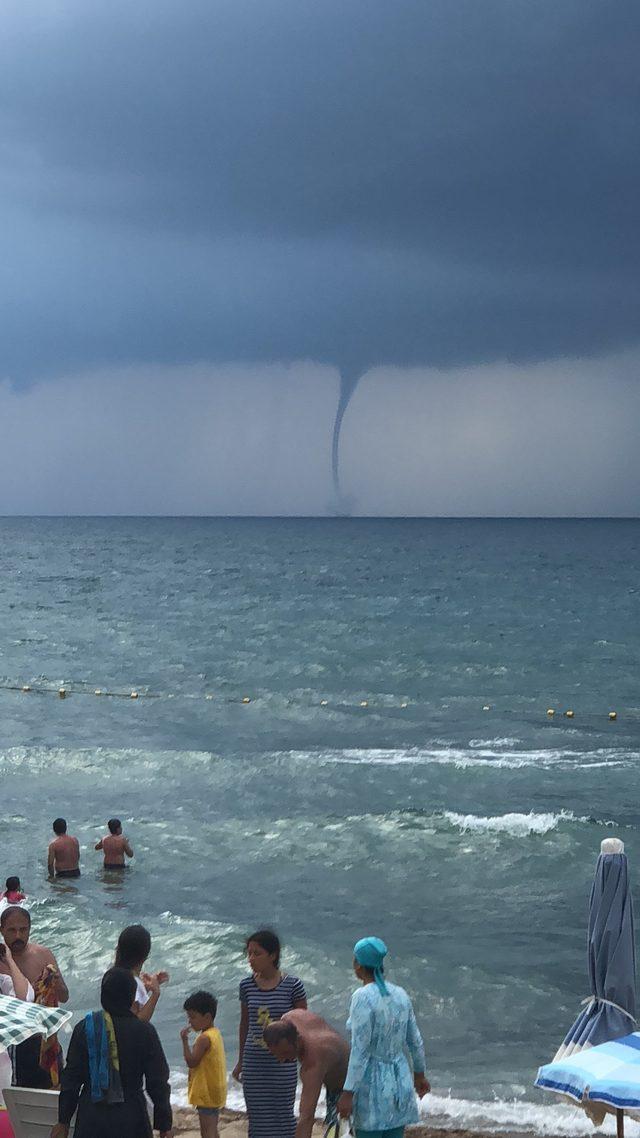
234	1125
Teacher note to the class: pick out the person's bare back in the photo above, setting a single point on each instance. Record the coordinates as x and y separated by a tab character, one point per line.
64	856
322	1048
114	846
323	1056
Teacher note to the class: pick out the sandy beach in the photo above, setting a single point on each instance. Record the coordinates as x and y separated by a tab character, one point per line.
234	1125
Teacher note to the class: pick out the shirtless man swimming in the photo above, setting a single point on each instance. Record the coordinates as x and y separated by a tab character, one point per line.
64	852
114	846
40	968
323	1056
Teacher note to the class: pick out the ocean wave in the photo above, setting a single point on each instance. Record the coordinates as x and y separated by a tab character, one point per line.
477	755
516	825
446	1112
480	754
506	741
516	1115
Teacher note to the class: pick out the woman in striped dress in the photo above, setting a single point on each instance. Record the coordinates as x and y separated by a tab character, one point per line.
269	1086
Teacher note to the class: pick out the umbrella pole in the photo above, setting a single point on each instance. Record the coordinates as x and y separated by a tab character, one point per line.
619	1123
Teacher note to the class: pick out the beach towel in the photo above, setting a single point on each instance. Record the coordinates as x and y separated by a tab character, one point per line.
50	1049
104	1061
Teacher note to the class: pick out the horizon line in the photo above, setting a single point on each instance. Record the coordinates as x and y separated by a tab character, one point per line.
331	517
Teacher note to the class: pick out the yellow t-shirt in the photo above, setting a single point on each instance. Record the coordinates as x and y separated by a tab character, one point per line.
208	1081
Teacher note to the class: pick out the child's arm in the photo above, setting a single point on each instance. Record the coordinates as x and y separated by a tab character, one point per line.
193	1055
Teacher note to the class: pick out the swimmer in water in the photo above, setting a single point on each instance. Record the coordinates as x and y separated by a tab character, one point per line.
64	852
114	846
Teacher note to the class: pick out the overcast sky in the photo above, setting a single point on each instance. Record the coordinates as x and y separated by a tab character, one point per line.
217	213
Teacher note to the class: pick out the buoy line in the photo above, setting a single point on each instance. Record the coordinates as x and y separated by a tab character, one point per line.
64	690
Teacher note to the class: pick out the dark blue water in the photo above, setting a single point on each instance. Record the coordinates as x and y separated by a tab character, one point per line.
465	837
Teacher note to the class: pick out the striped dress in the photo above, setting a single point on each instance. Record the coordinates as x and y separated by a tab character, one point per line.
269	1086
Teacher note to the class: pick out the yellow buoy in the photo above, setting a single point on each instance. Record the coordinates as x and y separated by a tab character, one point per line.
613	715
550	711
245	699
134	695
405	704
98	691
364	703
62	692
569	714
25	687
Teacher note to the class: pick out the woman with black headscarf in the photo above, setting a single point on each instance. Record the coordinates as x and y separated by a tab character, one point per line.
110	1054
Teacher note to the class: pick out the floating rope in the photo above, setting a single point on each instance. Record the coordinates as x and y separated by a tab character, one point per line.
370	704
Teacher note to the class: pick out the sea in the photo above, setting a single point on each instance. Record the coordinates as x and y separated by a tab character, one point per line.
342	727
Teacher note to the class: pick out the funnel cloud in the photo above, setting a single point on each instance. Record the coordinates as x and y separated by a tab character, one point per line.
423	188
348	384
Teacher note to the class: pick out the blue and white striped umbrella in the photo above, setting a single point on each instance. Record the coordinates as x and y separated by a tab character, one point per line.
607	1074
610	1009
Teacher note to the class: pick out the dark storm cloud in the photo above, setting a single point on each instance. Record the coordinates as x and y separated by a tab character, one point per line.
354	181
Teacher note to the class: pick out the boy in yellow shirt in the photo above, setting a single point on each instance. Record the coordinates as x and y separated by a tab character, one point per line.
206	1061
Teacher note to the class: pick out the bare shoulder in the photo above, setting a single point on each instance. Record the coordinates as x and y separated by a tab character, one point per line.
41	954
299	1016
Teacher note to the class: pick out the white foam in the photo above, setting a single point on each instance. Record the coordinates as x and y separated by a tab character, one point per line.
517	825
516	1115
481	753
496	754
499	742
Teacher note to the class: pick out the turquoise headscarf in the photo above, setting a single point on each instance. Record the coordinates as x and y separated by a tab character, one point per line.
370	953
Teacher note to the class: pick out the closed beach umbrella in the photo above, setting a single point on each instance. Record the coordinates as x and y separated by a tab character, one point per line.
611	1006
590	1067
20	1020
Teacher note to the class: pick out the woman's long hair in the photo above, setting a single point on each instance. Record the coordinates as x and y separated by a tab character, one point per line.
134	946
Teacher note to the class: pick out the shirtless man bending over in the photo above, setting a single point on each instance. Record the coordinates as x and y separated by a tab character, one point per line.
64	852
323	1056
40	968
114	845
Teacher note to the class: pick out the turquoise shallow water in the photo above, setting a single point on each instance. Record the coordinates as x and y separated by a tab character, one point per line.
466	838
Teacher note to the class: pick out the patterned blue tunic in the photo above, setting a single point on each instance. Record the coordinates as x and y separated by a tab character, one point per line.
269	1086
383	1029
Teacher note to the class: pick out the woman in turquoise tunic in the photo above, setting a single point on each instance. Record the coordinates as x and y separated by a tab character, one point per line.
380	1087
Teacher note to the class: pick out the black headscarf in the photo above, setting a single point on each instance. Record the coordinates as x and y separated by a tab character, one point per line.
118	991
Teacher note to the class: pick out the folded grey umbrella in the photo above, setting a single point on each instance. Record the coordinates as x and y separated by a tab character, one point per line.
611	1007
